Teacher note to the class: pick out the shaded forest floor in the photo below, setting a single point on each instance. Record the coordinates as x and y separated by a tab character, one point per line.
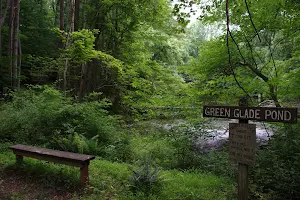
18	184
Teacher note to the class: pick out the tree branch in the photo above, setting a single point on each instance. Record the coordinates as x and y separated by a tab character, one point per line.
251	50
228	50
250	17
237	46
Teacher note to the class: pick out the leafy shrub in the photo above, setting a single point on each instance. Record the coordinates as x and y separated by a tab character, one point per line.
41	115
119	149
146	179
182	139
277	172
159	148
217	162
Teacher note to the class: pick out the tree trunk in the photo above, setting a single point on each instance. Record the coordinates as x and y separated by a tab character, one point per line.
16	43
82	81
72	15
115	37
10	40
61	15
2	20
65	77
84	17
1	24
19	64
72	18
77	13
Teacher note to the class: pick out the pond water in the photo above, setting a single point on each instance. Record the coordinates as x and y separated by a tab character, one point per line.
218	133
215	133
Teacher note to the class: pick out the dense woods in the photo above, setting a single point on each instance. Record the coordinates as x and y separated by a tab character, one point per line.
126	80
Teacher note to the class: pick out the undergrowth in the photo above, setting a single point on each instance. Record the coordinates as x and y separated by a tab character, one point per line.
42	116
111	180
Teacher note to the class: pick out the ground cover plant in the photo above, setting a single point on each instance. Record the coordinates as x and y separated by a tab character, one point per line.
107	180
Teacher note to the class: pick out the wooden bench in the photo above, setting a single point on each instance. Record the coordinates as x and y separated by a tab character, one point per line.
62	157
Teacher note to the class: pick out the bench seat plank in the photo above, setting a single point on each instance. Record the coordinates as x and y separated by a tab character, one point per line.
67	158
52	153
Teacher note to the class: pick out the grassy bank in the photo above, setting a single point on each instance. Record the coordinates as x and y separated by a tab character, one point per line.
42	180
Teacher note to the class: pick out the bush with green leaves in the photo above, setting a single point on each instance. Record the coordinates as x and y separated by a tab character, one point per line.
146	179
277	172
41	116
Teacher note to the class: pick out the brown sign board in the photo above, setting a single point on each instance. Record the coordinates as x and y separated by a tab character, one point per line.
242	143
269	114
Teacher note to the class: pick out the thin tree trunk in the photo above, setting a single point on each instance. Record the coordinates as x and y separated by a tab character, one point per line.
61	44
65	77
2	20
116	35
61	15
82	87
10	40
77	13
16	43
72	15
19	64
1	24
84	17
55	8
82	81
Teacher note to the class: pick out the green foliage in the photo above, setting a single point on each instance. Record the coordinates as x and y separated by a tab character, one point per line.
146	179
38	36
42	116
261	50
217	162
195	185
110	180
276	173
81	47
158	148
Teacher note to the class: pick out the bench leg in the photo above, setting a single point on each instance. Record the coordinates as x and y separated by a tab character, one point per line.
19	159
84	174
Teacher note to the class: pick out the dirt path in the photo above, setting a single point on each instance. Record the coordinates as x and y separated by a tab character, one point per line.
15	184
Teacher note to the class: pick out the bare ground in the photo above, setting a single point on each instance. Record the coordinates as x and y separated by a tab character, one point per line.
16	184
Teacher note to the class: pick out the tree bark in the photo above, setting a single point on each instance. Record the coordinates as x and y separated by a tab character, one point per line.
84	17
77	15
2	20
72	15
65	77
19	64
10	40
82	81
16	43
72	18
61	15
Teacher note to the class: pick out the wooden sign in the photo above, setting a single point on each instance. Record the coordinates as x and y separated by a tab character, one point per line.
242	143
269	114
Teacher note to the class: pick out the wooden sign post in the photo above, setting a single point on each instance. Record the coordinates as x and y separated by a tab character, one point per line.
242	135
243	179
